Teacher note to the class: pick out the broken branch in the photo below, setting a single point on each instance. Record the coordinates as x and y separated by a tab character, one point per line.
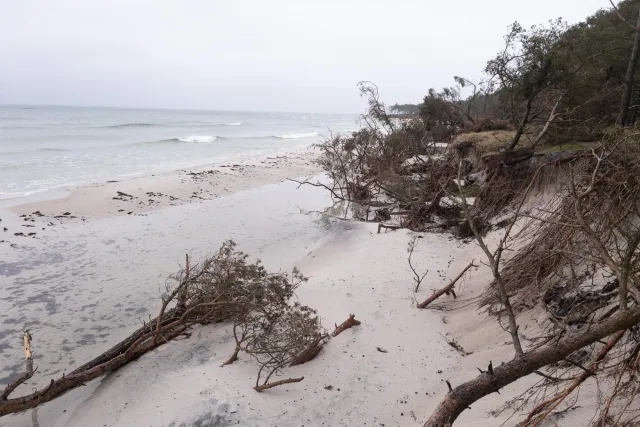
349	323
447	289
277	383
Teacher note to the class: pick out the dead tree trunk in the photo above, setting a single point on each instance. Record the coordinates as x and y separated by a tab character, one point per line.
552	117
28	372
57	387
168	317
463	396
447	289
629	77
547	406
522	125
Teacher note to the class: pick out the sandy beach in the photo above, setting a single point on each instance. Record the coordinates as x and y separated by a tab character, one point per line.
219	214
97	271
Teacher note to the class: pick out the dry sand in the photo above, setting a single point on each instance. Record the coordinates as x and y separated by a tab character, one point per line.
86	282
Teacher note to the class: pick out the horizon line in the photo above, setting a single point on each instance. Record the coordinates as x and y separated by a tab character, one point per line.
171	109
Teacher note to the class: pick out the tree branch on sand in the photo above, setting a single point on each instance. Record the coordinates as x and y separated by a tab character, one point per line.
277	383
347	324
447	289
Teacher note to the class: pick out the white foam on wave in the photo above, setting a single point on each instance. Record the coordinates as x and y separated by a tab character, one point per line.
233	124
297	135
198	138
9	195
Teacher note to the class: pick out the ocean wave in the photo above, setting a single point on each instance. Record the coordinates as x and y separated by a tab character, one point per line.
35	150
131	125
15	195
198	138
189	139
297	135
233	124
52	149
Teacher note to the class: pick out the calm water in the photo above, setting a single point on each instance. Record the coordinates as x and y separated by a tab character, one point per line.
42	148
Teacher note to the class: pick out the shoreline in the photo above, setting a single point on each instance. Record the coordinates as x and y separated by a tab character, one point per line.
137	196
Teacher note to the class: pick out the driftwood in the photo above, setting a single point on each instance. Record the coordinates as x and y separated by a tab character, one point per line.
447	289
277	383
349	323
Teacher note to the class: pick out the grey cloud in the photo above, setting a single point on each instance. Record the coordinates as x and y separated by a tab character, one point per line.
251	54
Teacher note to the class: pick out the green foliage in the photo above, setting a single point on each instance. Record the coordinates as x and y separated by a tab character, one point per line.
442	113
408	109
574	72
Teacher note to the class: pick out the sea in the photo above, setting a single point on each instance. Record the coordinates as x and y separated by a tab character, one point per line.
53	147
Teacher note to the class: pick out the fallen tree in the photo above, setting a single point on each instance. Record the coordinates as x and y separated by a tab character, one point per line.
464	395
599	203
223	287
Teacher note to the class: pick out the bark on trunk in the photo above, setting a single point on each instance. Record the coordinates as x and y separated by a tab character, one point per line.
461	397
121	347
629	77
523	124
61	385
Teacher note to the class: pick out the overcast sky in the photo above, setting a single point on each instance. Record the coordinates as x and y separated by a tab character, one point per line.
269	55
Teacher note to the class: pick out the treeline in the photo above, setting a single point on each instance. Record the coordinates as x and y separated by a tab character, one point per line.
581	78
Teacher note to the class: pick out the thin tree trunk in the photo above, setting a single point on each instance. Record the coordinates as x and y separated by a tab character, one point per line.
523	123
629	77
552	117
494	262
461	397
